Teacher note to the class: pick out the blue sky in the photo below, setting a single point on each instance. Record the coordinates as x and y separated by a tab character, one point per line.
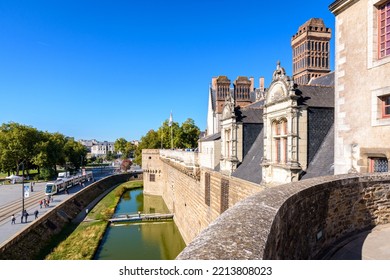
102	70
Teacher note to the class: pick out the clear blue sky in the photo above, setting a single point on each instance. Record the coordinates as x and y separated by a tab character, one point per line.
107	69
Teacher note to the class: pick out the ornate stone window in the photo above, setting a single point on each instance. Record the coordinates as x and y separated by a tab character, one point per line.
280	140
379	164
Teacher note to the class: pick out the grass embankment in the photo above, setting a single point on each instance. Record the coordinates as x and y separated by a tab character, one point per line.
82	243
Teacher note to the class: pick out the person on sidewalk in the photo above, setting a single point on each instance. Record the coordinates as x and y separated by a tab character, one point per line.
36	214
13	219
25	215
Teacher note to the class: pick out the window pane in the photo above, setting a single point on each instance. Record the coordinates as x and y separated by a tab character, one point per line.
380	165
387	111
387	100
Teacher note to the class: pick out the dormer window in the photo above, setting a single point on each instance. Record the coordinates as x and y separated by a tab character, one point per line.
280	140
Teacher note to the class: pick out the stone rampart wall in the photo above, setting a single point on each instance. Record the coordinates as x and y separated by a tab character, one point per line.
303	220
28	243
196	196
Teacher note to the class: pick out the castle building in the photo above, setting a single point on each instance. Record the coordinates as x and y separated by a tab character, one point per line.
280	134
298	129
243	92
311	48
362	108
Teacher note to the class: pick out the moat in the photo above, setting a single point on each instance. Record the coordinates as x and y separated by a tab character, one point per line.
141	240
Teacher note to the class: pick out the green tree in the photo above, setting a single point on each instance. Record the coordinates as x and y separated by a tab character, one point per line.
149	141
184	136
74	152
17	146
189	134
125	147
120	145
50	151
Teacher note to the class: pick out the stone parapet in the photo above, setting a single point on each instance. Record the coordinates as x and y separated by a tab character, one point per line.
186	158
302	220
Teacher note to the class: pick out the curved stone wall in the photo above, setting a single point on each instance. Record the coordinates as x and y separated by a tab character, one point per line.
26	245
302	220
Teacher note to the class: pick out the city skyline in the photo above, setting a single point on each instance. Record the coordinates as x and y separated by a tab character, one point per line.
108	70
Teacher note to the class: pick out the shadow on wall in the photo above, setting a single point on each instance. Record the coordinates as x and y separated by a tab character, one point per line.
301	220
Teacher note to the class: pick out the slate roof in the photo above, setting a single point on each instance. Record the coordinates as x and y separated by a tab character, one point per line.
250	169
326	80
323	162
211	137
249	115
316	96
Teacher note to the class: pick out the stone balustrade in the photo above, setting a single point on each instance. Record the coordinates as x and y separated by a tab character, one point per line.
187	158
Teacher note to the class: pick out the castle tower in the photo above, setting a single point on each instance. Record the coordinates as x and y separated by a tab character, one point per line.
222	87
311	47
242	89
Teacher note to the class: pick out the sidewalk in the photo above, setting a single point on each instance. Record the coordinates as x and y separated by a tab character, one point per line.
13	193
369	245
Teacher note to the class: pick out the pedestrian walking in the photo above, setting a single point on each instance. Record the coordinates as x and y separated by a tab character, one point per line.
36	214
25	215
13	219
40	204
32	187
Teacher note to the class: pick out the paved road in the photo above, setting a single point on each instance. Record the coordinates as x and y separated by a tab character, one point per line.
13	194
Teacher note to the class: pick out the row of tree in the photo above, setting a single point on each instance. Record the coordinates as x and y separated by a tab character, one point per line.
169	135
23	146
26	147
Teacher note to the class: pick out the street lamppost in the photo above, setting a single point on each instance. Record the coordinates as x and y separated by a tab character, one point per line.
23	192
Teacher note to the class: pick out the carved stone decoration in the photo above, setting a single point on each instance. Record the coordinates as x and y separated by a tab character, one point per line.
281	87
228	108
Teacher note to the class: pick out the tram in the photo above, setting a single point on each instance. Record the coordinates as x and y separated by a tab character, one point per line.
67	182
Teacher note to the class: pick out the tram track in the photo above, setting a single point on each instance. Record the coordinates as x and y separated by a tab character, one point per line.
15	207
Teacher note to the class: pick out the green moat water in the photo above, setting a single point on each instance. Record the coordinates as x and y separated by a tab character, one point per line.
141	241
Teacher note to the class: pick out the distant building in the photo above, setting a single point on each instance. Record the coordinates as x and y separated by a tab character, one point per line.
102	148
88	143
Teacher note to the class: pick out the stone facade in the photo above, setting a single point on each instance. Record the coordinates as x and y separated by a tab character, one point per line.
360	89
